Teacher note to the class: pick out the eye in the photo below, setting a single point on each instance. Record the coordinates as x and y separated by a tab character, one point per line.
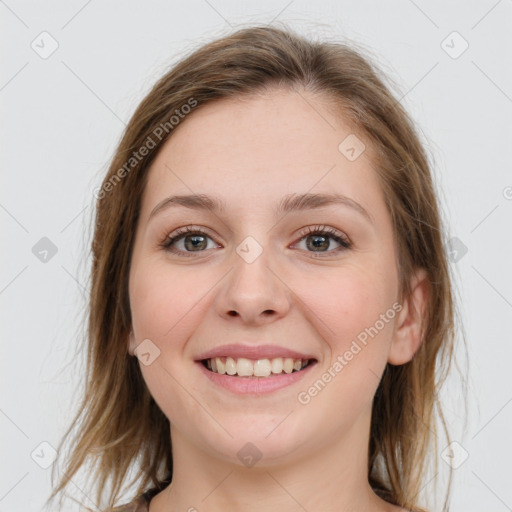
319	237
192	239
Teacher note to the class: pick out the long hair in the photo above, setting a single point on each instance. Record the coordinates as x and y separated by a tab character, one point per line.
119	426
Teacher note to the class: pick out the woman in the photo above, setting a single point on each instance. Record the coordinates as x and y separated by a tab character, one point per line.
271	297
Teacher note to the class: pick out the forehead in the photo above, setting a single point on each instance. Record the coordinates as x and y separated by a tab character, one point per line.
256	149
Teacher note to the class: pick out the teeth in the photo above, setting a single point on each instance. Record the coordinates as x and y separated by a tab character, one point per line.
230	366
288	365
277	365
243	367
262	368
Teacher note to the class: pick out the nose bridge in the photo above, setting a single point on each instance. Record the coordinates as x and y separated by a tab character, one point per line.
252	289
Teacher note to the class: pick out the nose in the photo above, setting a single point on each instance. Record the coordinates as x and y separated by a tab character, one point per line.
254	293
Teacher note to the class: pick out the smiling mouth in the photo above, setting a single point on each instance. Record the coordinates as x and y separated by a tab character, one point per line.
243	367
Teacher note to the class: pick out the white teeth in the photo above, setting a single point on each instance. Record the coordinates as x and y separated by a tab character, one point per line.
277	365
244	367
262	368
230	366
288	365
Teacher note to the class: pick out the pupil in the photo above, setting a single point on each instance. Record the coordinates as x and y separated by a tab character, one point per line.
196	242
316	242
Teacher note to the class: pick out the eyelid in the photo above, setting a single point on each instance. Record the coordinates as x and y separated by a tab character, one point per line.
322	228
192	228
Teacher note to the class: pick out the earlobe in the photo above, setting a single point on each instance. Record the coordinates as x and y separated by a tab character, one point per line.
409	323
131	343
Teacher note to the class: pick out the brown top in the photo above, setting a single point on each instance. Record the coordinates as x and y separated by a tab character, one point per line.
139	504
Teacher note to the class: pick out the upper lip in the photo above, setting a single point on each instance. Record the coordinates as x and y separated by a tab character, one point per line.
252	352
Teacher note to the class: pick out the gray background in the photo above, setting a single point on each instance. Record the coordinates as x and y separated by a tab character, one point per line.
63	114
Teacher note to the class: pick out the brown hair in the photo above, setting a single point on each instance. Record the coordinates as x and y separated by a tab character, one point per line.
118	423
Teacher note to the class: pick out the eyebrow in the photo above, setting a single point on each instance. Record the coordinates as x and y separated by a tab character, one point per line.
289	203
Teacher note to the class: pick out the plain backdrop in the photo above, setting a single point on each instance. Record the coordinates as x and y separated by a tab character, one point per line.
72	74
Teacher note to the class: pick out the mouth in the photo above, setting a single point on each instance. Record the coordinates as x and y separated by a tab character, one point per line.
256	368
259	377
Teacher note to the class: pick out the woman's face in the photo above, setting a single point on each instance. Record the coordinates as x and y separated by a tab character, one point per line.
260	275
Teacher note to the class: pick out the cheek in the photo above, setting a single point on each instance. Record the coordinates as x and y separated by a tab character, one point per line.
162	301
166	306
348	311
349	302
354	314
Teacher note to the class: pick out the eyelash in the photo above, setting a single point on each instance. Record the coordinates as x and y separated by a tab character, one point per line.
180	233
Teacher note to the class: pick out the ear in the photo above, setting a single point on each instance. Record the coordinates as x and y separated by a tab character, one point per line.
131	343
410	320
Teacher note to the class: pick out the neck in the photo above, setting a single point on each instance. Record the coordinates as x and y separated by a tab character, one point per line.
332	477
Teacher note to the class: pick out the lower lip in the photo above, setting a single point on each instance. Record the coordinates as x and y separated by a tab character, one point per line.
255	385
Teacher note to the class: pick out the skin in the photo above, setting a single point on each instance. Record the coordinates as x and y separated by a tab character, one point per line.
250	152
